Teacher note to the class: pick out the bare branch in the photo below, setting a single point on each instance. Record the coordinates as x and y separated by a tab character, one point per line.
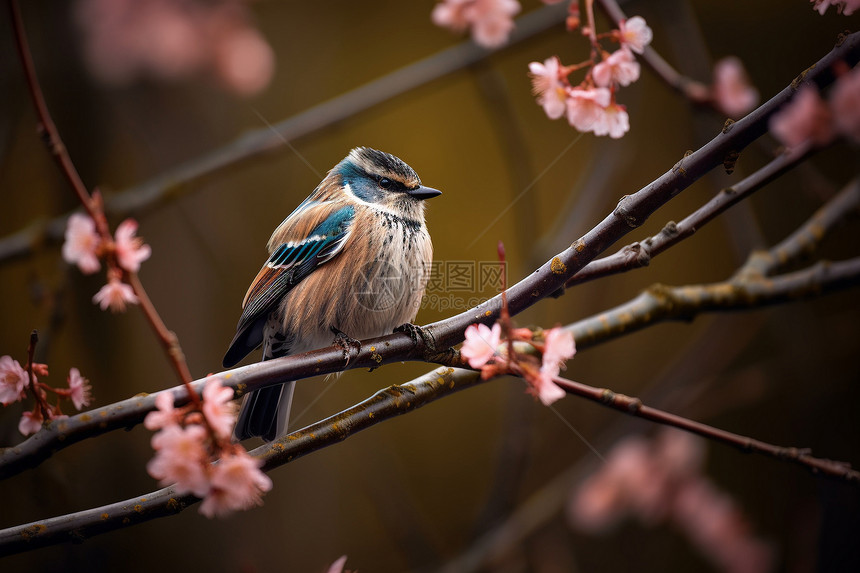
639	254
634	407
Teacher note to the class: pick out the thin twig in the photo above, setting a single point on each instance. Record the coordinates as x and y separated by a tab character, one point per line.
694	91
634	407
46	126
640	254
91	202
165	336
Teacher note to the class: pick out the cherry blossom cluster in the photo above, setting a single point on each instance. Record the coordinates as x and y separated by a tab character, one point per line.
846	7
809	119
129	40
16	383
193	452
591	105
490	21
660	481
487	350
85	244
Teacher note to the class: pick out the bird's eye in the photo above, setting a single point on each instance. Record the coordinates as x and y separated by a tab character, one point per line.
385	183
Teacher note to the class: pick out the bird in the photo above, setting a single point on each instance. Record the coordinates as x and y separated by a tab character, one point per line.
351	262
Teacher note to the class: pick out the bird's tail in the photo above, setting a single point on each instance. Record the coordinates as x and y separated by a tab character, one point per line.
265	412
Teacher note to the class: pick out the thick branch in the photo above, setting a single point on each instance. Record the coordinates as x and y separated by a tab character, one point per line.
660	302
397	400
383	405
807	237
399	347
633	210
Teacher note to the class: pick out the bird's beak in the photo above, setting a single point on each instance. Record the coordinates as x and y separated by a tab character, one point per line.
423	192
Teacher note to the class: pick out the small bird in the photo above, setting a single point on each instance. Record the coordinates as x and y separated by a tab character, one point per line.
351	262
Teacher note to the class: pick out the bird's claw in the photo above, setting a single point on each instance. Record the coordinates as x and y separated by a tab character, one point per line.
346	344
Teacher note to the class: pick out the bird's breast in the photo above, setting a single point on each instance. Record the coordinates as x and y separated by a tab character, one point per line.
373	285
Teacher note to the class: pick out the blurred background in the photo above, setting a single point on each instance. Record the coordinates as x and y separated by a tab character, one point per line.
137	93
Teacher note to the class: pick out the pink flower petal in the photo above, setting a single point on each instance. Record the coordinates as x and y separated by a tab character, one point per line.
130	250
480	344
82	243
13	380
115	295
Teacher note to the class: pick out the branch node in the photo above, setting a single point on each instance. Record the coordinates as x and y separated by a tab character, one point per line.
607	396
622	211
670	230
730	160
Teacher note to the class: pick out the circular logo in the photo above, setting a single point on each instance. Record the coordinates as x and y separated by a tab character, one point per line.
381	286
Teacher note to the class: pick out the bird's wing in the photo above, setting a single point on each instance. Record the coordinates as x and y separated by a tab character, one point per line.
289	263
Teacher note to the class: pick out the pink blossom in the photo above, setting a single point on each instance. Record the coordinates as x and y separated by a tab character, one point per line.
82	243
635	34
558	347
218	407
13	380
130	250
181	459
31	422
586	107
115	295
480	344
452	14
845	104
717	527
732	91
846	7
237	483
80	389
615	122
605	497
245	61
165	416
494	22
491	20
805	118
338	565
542	387
620	68
547	86
659	480
125	41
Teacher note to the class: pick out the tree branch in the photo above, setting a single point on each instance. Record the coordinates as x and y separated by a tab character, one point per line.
259	142
92	203
640	253
691	89
398	347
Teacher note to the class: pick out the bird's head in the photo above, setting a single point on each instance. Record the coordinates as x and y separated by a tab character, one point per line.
383	180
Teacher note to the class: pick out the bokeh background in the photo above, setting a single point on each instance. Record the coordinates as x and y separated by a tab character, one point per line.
417	492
